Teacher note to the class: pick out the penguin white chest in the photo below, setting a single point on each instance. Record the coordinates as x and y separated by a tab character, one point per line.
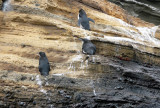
80	23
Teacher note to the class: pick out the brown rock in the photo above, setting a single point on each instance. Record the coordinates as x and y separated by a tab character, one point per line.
49	26
157	34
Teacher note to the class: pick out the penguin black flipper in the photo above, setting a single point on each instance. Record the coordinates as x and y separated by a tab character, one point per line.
89	19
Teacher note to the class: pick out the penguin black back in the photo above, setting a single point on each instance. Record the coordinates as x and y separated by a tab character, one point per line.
44	66
88	47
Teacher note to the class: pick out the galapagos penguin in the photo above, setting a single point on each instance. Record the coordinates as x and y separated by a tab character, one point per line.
83	20
88	47
44	66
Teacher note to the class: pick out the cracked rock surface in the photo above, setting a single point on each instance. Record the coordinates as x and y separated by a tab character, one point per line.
124	73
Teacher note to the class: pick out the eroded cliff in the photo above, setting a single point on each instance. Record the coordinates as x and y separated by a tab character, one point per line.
102	81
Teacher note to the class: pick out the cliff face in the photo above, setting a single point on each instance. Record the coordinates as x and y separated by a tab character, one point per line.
102	81
147	10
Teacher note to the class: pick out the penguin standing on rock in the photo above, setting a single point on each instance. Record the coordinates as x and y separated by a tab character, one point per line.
44	66
83	20
88	47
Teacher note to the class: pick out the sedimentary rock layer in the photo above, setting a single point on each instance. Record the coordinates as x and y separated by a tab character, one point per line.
50	26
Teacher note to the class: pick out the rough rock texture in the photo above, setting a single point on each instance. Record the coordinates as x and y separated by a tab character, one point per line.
123	73
106	83
147	10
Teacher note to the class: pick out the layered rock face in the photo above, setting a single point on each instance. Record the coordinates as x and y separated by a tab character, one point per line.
123	73
147	10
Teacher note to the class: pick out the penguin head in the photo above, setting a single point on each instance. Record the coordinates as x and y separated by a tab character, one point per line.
4	1
81	12
42	54
84	40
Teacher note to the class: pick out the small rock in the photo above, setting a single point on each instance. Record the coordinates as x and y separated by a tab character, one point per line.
23	78
77	97
113	106
61	92
24	87
118	69
1	103
130	80
68	97
32	78
119	79
34	102
114	77
119	88
46	84
73	82
51	106
72	51
22	103
23	45
37	4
